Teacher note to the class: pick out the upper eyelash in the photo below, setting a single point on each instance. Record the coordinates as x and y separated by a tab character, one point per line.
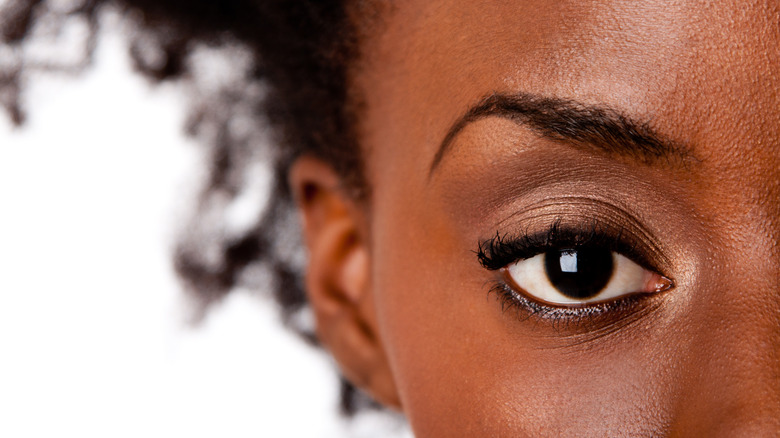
501	250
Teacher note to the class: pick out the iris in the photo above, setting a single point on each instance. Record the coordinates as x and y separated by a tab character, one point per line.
579	273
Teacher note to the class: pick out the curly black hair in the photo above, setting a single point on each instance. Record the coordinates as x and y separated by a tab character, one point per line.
302	55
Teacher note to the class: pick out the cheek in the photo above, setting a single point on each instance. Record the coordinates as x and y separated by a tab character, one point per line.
464	367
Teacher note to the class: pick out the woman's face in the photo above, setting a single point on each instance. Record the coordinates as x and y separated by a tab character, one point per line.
636	145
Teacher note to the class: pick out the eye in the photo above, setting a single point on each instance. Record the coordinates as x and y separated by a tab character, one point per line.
582	275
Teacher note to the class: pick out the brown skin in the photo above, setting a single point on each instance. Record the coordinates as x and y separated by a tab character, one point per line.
400	296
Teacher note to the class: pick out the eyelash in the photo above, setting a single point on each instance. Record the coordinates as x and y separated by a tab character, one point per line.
498	252
563	317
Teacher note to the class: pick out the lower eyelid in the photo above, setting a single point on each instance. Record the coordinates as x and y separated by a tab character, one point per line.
594	320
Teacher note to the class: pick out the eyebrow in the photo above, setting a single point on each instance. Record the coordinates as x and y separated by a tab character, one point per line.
568	121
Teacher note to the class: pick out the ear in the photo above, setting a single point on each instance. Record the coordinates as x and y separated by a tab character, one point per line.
338	277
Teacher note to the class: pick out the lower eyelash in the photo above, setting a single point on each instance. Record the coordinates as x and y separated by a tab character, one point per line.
529	309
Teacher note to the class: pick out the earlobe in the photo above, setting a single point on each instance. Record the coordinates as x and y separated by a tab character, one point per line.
338	278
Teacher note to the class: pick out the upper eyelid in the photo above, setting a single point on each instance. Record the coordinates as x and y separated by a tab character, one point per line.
501	250
566	210
583	205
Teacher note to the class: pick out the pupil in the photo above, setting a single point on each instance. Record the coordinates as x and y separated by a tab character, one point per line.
579	273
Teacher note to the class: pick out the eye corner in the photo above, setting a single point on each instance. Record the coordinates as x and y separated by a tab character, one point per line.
663	284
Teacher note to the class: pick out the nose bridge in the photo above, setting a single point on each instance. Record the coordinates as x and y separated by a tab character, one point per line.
733	366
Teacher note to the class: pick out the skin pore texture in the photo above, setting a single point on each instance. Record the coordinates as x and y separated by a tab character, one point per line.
412	316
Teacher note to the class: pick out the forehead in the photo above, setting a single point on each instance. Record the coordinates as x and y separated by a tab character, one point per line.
697	70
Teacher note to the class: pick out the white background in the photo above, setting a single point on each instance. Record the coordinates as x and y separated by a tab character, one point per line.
93	339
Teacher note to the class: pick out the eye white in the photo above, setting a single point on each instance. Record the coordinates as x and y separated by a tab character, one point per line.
531	277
